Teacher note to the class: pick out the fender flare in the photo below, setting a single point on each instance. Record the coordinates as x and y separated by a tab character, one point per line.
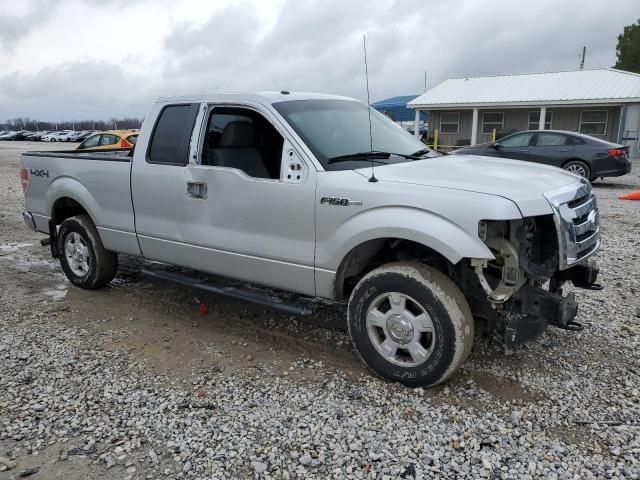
69	187
438	233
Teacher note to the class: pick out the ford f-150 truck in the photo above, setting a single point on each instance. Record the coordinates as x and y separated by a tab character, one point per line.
320	195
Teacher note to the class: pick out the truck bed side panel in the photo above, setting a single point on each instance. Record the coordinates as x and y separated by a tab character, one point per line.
100	183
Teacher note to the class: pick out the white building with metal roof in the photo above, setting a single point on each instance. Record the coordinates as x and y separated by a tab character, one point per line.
603	102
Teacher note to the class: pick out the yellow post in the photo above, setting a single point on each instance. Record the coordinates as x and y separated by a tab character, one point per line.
435	139
493	135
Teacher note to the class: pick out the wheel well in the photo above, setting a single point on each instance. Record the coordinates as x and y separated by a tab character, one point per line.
64	208
374	253
575	160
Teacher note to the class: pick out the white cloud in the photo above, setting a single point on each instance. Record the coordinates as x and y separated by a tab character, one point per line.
69	59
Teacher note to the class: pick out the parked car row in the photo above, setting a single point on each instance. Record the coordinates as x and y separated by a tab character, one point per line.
90	139
47	135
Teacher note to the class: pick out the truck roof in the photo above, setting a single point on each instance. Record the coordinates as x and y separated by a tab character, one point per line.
264	97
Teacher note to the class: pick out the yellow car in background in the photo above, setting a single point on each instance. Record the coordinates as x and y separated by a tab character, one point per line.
110	139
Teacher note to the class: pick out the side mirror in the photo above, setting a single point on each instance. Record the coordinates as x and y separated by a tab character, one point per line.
496	145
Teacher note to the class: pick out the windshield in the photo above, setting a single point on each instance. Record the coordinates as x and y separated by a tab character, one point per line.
335	128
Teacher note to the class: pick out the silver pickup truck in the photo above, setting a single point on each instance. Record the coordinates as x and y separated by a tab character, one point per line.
320	195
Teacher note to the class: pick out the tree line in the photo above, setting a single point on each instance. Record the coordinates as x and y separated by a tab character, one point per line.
26	123
628	48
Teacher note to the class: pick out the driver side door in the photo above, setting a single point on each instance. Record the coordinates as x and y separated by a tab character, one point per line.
516	146
249	200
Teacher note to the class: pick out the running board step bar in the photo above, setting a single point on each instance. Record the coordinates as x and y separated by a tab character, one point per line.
231	292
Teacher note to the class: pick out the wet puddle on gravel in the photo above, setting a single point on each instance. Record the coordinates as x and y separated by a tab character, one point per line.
12	247
57	294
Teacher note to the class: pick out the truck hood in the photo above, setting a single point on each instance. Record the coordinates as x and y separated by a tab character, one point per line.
524	183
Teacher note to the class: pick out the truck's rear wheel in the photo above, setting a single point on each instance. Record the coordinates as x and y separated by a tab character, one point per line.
410	324
83	258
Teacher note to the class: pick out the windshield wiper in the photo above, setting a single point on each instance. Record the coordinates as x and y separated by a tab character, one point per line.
424	151
367	156
359	156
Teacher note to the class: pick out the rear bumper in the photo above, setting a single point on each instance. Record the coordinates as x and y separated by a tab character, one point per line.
29	221
611	167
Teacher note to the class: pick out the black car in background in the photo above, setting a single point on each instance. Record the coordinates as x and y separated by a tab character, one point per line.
587	156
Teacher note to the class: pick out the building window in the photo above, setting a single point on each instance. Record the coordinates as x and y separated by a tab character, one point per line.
593	122
449	122
534	120
491	120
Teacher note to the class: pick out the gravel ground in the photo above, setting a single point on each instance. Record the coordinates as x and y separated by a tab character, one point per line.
133	382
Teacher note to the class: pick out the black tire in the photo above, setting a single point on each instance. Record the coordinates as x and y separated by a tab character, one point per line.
422	287
579	168
101	264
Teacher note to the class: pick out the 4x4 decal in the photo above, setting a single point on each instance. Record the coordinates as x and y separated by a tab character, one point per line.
39	173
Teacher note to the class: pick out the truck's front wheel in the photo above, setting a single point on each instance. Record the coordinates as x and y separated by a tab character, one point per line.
410	324
84	259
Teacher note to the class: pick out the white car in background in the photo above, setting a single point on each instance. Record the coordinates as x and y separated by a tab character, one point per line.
75	136
56	136
66	136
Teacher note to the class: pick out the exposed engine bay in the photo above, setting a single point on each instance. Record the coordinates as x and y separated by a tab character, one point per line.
524	278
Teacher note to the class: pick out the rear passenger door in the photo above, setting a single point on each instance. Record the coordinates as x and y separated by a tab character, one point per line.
158	182
550	148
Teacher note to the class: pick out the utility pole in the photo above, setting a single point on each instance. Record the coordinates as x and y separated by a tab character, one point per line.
425	80
584	54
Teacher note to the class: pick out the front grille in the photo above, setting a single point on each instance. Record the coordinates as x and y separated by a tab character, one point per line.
577	222
578	201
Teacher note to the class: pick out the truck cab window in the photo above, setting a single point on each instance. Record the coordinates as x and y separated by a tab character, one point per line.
169	143
243	139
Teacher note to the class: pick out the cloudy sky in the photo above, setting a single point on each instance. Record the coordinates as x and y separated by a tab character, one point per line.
76	59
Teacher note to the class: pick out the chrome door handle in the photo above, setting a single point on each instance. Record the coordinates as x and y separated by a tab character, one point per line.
197	190
563	149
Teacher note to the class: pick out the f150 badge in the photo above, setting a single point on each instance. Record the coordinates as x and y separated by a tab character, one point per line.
39	173
344	202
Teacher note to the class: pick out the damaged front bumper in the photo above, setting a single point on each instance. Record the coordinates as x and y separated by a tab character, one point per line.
539	307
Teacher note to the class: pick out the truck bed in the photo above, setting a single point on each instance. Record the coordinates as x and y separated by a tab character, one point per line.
99	181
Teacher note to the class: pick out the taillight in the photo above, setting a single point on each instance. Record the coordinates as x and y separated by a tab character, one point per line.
24	178
616	152
125	144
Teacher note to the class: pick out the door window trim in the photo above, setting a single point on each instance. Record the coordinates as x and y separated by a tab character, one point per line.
206	111
519	134
99	135
542	132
